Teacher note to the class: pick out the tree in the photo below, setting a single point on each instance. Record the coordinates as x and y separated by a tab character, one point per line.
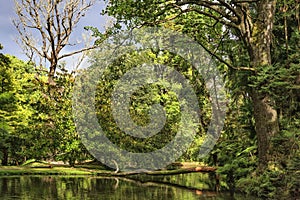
52	22
17	93
68	143
52	132
5	99
249	23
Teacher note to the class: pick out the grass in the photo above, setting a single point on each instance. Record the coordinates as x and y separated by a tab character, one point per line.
42	168
38	168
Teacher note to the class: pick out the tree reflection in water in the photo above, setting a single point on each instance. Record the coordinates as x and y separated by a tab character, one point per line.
60	187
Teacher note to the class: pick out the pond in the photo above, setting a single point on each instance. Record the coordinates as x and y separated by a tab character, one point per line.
185	187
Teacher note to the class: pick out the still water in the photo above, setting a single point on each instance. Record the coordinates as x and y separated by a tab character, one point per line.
106	188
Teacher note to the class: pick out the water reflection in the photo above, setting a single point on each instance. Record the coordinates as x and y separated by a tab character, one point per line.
58	187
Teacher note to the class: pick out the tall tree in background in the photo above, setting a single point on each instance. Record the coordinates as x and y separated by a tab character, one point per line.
5	99
248	23
45	27
17	93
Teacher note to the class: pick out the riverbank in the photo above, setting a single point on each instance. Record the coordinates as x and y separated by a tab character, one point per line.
41	168
22	170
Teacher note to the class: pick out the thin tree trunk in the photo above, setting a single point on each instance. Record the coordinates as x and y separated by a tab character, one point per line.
5	156
52	73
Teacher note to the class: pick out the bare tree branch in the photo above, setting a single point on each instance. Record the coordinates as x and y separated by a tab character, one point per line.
45	27
77	52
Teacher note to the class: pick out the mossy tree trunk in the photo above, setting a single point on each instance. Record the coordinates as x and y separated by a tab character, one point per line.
265	114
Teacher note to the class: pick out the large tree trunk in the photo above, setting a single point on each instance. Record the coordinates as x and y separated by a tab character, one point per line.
266	125
265	115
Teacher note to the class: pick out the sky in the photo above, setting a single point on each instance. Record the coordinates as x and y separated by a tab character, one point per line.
8	32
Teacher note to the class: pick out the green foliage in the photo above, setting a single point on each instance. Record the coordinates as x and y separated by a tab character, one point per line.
36	123
144	98
280	83
261	185
236	151
15	109
54	127
293	175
